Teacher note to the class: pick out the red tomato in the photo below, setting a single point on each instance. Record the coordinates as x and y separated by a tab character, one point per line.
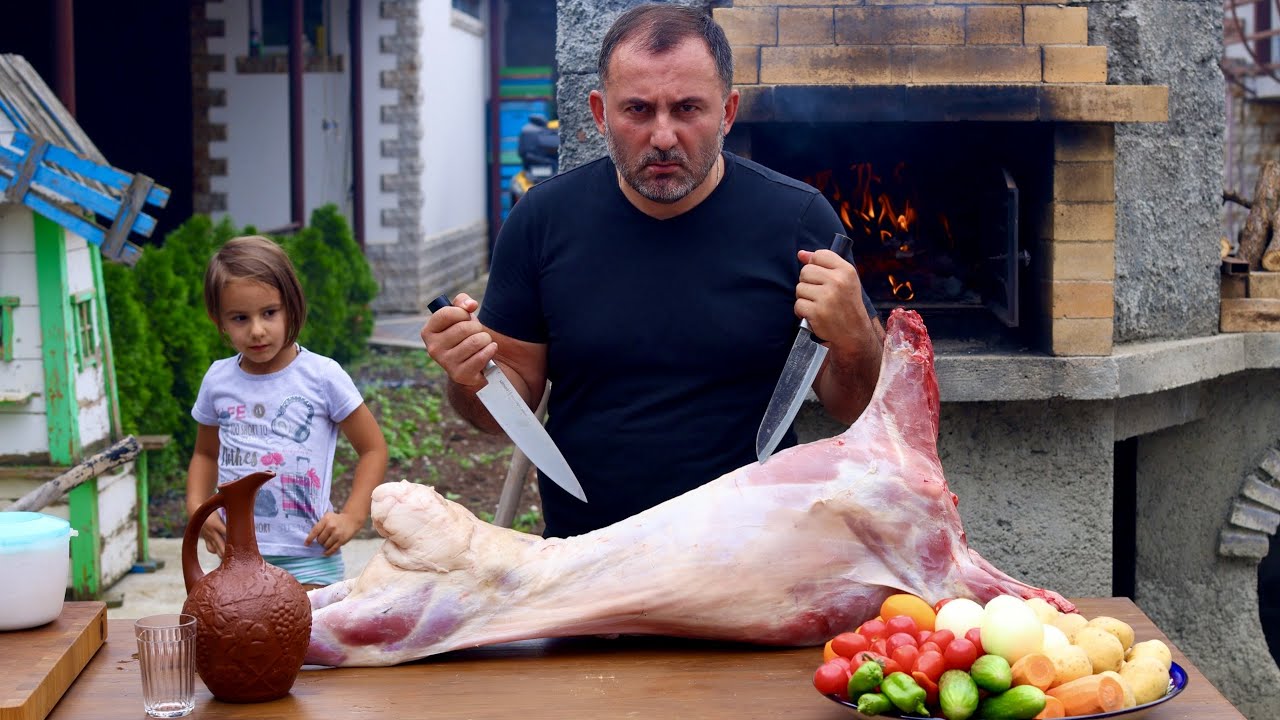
930	663
940	603
880	647
890	667
930	647
929	685
866	655
900	624
843	662
942	638
906	656
923	637
832	679
960	654
873	629
897	640
975	636
849	644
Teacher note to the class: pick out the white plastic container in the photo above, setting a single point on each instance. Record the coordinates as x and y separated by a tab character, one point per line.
34	555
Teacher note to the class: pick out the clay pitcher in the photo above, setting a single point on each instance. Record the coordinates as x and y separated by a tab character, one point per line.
253	620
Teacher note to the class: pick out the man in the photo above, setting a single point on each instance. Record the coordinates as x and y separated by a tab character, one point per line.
659	288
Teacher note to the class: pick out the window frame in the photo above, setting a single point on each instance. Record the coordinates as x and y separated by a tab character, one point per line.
88	339
7	305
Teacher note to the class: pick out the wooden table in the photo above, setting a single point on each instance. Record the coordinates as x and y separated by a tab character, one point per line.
564	680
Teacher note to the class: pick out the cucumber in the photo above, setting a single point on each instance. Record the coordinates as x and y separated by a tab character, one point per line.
1020	703
957	695
992	673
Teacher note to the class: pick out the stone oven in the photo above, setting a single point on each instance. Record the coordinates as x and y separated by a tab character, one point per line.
1043	182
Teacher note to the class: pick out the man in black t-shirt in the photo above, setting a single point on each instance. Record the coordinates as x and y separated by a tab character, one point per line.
658	289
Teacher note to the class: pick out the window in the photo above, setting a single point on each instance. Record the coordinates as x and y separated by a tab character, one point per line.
7	304
470	7
88	351
275	26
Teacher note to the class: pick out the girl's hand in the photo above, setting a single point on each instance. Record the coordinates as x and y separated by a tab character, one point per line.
214	533
333	531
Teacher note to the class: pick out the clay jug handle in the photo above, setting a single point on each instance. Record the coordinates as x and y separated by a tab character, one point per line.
191	571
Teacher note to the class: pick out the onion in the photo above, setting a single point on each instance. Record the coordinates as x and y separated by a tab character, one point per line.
959	616
1010	629
1054	638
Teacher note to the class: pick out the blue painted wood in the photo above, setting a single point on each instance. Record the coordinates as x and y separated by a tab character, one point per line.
105	174
86	197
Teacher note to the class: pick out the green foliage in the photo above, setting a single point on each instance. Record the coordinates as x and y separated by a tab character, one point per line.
338	284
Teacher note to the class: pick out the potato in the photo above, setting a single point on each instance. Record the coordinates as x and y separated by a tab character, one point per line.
1119	628
1042	609
1103	648
1069	623
1069	662
1129	699
1151	648
1148	678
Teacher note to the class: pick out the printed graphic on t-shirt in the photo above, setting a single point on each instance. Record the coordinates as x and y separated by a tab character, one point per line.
293	419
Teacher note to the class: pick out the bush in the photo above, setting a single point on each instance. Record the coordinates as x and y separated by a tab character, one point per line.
163	341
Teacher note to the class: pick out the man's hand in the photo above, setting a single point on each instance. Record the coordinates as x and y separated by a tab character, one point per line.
829	295
457	341
214	533
333	531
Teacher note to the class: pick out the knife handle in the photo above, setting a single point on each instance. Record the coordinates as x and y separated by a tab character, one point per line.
439	303
840	245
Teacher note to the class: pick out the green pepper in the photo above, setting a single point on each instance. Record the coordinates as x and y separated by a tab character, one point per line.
873	703
905	693
865	679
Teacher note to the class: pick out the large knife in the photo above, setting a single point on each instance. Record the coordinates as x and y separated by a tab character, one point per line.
801	368
515	418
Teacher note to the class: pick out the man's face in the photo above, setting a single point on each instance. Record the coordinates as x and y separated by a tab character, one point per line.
663	118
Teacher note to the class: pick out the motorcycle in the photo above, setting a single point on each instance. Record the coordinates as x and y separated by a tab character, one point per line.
539	150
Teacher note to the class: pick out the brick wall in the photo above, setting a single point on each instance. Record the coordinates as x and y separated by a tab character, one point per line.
203	97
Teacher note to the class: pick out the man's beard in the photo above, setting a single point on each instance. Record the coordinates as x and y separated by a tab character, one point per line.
674	187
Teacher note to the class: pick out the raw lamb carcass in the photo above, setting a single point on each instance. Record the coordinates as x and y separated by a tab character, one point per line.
790	552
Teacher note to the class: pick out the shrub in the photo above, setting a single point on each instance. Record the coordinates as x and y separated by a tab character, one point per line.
338	284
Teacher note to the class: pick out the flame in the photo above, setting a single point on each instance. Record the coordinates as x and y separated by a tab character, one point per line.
901	290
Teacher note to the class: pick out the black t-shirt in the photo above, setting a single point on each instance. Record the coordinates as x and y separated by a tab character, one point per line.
665	338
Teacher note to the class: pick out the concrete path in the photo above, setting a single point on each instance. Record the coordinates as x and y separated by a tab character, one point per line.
143	594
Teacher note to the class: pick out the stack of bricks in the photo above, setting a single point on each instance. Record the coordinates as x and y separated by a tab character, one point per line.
1035	46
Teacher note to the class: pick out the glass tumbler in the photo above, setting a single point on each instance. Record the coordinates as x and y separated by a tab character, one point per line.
167	654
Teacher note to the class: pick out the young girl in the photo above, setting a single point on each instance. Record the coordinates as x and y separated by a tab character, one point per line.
275	406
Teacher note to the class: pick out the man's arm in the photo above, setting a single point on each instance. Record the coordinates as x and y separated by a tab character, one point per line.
524	364
830	296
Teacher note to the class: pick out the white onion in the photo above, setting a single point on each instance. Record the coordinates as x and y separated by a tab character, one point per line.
959	616
1010	629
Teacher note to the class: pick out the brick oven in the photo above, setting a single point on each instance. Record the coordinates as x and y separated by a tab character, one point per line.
1043	182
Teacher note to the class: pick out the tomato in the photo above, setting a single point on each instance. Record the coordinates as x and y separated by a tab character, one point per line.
930	647
901	624
906	656
843	662
975	636
905	604
872	629
942	638
892	666
960	654
898	640
880	647
930	663
849	644
832	679
866	655
922	637
938	605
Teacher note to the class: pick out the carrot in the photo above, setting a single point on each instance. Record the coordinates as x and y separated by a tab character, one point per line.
1034	669
1089	694
1052	709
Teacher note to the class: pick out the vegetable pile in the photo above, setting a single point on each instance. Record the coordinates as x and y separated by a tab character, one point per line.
1013	659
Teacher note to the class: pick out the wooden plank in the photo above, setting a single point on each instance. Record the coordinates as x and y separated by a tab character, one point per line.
1264	285
113	178
38	665
1250	315
574	678
84	196
1235	286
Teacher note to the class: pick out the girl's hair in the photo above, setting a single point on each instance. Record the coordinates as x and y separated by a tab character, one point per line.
253	257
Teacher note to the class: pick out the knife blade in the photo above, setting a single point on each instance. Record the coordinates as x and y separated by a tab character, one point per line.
515	418
803	363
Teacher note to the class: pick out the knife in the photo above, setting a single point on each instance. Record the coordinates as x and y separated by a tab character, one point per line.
515	418
797	376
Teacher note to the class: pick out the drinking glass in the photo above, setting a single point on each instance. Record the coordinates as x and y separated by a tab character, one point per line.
167	653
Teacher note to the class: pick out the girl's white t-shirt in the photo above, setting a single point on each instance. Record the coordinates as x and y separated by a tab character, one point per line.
285	422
